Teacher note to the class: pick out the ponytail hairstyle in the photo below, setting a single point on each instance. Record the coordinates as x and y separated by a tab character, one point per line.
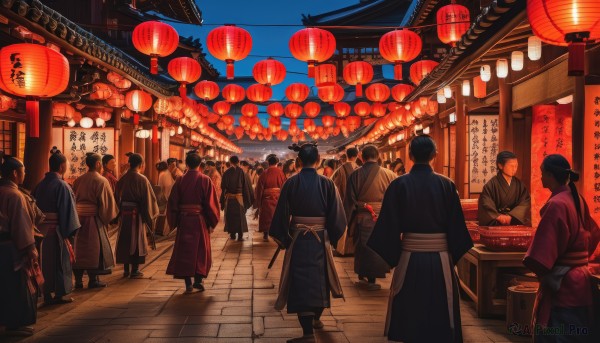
558	166
56	159
307	152
9	165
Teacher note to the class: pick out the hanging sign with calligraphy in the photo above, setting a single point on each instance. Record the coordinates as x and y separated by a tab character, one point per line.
591	150
77	142
551	132
483	148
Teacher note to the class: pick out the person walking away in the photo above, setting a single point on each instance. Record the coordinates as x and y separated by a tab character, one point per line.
194	210
340	178
268	188
96	208
237	197
307	229
421	231
364	194
165	183
138	209
214	175
55	198
565	238
19	267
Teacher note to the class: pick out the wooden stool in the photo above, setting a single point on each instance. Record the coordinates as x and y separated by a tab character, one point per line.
519	309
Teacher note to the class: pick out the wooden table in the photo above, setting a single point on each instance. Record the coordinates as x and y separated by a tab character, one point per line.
479	272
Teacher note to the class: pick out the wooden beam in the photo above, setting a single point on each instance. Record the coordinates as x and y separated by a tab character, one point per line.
505	121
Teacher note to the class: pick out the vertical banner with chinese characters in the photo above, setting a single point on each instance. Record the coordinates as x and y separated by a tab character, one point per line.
483	148
78	142
551	132
591	150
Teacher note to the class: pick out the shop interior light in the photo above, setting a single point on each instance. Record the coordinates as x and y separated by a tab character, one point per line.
86	122
71	123
502	68
486	73
517	60
447	92
452	118
426	130
441	98
466	88
534	48
566	100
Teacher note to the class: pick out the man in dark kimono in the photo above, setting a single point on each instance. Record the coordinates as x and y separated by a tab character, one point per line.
55	198
308	218
421	232
340	178
268	188
138	209
364	194
194	210
504	199
236	198
18	254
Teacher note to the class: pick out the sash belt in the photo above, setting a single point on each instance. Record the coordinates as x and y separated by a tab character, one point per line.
129	208
233	195
51	218
87	210
272	190
573	259
190	210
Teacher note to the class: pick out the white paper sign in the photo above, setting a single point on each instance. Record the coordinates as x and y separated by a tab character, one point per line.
483	148
77	142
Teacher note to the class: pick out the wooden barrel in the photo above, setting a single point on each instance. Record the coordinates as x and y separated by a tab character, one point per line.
519	309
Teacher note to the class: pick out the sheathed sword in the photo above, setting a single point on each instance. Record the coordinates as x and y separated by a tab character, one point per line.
152	237
274	257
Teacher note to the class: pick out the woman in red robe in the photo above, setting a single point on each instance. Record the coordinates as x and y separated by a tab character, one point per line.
193	209
566	237
268	188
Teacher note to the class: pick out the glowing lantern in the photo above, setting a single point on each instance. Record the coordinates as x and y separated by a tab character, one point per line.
259	93
325	75
282	135
249	110
138	101
432	107
378	92
419	70
155	39
123	84
184	70
312	45
275	109
566	22
62	111
312	109
269	72
33	71
400	46
116	99
353	123
452	22
479	88
7	103
233	93
358	74
516	60
297	92
401	91
441	98
342	109
113	77
378	109
275	124
229	43
293	111
362	109
331	94
447	92
534	48
86	122
100	91
309	125
485	72
206	90
466	88
502	68
328	121
293	129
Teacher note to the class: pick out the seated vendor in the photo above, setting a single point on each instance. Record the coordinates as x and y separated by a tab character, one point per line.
504	199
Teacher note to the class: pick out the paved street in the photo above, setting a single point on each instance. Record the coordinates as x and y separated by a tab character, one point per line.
237	305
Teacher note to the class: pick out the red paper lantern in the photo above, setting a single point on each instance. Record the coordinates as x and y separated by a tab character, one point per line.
378	92
249	110
275	109
401	91
432	107
100	91
123	84
353	123
113	77
400	46
342	109
309	125
162	106
184	70
312	45
61	111
206	90
419	70
358	74
116	99
312	109
378	109
33	71
452	22
293	111
259	93
155	39
138	101
269	72
239	132
325	75
293	129
297	92
331	94
566	22
233	93
328	121
275	124
229	43
221	107
479	88
362	109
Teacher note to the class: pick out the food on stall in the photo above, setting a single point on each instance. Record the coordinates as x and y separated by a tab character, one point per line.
506	238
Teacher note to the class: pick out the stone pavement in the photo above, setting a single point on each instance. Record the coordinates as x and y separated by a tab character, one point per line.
237	305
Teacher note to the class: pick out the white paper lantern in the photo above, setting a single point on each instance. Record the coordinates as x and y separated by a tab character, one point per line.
466	88
426	130
447	92
452	118
516	60
100	122
485	72
566	100
71	122
441	98
534	48
172	132
143	134
502	68
179	130
86	122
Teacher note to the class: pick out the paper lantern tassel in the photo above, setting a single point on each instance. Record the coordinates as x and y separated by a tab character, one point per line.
153	65
230	70
398	71
359	90
32	116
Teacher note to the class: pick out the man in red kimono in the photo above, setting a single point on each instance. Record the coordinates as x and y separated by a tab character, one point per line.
194	209
268	188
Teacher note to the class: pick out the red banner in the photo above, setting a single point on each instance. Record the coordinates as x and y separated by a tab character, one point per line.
551	133
591	150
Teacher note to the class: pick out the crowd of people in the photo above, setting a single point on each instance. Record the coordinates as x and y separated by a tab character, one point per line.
360	205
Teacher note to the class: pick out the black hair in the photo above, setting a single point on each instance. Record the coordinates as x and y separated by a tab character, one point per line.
265	164
135	160
307	152
422	148
91	159
211	163
171	160
558	166
259	170
503	157
192	159
369	152
9	164
234	160
272	159
287	166
56	159
352	152
162	165
332	163
244	163
106	159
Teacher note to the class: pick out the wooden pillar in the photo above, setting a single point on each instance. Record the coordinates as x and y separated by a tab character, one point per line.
461	145
118	152
140	146
126	143
578	125
148	159
505	118
438	137
37	150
